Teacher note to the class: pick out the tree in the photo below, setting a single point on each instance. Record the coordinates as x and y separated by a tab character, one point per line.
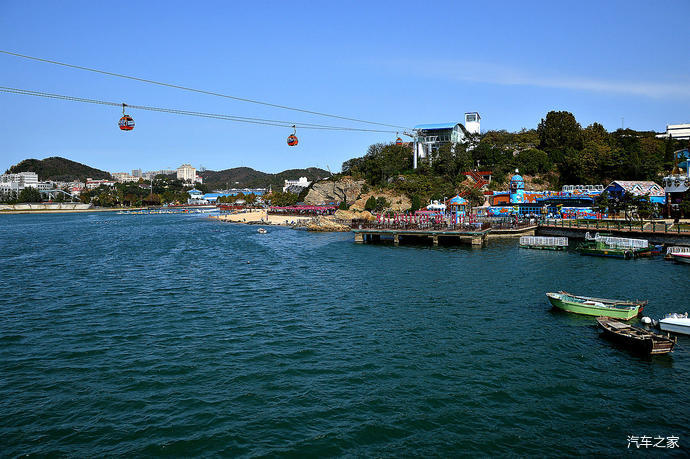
558	132
370	204
474	196
602	203
532	161
29	194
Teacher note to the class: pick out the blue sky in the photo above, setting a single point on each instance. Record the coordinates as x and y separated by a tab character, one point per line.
402	63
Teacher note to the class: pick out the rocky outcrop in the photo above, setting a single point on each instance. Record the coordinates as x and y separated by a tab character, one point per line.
353	215
346	189
326	224
396	202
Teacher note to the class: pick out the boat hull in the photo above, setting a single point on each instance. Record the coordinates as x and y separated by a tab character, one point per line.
681	258
669	325
541	247
593	310
636	339
609	253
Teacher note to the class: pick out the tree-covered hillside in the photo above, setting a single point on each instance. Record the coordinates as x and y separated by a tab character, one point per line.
559	151
58	169
241	177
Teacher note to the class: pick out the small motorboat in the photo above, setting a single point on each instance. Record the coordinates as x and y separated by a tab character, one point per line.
676	323
681	257
637	339
261	231
619	309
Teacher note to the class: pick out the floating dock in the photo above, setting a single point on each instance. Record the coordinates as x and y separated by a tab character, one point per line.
544	242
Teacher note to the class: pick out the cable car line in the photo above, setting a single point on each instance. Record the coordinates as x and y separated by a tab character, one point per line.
201	91
241	119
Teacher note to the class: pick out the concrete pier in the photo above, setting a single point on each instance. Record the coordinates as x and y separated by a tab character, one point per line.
474	238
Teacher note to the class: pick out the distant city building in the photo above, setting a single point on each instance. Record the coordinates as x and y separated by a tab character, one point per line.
91	183
197	197
677	131
430	137
17	182
186	173
296	186
136	172
124	177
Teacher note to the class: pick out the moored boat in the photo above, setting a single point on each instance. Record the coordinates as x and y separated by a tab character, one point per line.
261	231
681	257
638	339
619	309
676	323
604	245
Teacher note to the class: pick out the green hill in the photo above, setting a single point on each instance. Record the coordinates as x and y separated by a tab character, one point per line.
58	169
241	177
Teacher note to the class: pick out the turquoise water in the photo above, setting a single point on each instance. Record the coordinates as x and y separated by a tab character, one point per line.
178	335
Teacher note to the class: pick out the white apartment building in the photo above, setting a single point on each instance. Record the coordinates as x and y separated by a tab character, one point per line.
678	131
124	177
17	182
295	186
186	173
91	183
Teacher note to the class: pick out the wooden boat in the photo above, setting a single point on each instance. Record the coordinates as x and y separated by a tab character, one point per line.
619	309
638	339
676	323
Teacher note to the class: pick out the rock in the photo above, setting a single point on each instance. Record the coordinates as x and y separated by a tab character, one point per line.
346	189
353	214
326	224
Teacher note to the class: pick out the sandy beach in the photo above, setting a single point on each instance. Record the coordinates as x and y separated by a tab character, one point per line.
262	217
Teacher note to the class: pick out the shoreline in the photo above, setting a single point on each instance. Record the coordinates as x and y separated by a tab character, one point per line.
68	211
261	217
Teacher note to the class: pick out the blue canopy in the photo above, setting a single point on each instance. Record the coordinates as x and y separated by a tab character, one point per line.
436	126
457	201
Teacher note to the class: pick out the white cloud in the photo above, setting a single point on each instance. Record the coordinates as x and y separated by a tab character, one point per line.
483	72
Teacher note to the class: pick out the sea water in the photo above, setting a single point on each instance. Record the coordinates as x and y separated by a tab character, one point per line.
181	335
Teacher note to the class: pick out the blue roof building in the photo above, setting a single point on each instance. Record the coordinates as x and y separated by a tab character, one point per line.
430	137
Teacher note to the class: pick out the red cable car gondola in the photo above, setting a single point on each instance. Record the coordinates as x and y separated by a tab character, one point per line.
292	138
398	141
126	123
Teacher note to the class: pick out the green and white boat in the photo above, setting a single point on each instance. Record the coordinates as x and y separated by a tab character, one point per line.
600	307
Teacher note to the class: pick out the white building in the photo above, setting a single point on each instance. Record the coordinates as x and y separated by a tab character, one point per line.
124	177
91	183
472	122
17	182
430	137
296	186
186	173
678	131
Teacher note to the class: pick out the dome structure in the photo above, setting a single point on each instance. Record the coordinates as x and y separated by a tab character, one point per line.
516	187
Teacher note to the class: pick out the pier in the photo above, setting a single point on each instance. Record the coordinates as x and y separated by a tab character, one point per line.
475	235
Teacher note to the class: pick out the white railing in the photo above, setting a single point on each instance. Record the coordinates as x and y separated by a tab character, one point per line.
672	250
620	242
544	241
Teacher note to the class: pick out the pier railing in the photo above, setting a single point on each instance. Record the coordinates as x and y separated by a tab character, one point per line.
614	225
421	226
